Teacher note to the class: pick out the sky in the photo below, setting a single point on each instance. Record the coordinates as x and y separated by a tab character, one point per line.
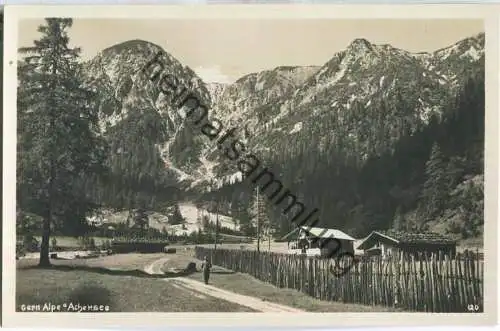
223	50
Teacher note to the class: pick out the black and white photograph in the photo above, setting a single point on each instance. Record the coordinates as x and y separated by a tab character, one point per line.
329	165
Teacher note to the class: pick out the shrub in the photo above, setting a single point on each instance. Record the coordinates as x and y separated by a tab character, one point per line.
20	250
30	244
191	267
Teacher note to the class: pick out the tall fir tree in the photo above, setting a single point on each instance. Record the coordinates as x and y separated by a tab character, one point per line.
242	214
58	144
177	217
398	222
141	220
434	191
260	216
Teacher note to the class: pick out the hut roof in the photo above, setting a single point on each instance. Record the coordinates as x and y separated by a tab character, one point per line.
399	237
321	233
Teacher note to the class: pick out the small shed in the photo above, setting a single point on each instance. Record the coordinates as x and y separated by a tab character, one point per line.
387	243
321	239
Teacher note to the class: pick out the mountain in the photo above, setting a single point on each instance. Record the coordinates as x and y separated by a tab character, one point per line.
366	75
127	93
410	88
279	102
316	126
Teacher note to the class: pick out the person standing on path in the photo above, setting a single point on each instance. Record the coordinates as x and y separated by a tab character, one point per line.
206	265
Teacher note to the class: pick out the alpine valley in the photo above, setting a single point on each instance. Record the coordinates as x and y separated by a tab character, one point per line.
375	138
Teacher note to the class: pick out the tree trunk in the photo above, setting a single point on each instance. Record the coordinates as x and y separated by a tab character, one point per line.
216	225
47	221
258	220
44	247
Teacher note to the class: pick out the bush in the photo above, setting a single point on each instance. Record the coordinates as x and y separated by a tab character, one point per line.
191	267
30	244
20	250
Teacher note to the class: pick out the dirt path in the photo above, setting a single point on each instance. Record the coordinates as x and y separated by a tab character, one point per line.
199	289
155	267
243	300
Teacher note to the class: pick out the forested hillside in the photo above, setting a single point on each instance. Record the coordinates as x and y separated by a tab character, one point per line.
432	178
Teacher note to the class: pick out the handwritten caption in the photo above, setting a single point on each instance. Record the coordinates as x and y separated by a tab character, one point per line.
65	307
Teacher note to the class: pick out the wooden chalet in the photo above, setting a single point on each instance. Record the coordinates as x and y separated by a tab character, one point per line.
391	243
307	240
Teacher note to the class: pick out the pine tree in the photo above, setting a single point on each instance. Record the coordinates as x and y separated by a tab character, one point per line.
205	222
398	222
234	210
57	144
176	216
259	217
434	193
141	220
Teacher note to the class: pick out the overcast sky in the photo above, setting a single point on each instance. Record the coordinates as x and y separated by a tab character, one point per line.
223	50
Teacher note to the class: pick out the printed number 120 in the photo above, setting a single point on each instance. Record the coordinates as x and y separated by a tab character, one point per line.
472	307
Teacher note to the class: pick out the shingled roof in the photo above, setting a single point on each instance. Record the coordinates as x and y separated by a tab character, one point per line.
407	238
320	233
414	238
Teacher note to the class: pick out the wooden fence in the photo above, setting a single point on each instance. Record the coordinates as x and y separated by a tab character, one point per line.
430	284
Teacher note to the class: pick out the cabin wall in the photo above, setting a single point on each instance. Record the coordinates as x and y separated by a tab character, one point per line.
390	248
446	249
387	247
415	249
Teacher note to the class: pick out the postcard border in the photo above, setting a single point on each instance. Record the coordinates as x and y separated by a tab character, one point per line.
489	13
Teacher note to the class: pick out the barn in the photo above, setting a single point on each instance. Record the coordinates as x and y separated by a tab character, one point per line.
309	239
389	243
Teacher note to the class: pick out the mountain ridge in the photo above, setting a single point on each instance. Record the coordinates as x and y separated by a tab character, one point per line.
265	99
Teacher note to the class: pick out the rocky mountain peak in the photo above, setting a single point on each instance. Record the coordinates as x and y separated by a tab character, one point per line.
472	48
360	45
135	45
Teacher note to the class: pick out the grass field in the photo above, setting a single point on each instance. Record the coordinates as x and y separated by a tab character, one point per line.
120	282
128	290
